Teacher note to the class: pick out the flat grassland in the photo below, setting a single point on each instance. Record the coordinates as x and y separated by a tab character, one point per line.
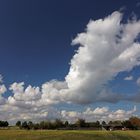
68	135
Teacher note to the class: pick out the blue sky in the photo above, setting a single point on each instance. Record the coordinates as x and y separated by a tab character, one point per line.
36	36
35	47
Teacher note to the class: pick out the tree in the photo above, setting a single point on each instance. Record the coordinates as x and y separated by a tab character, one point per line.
24	125
50	125
4	123
58	123
30	125
103	123
36	126
18	123
66	123
110	123
127	124
97	123
80	123
42	125
135	121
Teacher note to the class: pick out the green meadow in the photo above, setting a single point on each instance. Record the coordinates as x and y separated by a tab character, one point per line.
68	135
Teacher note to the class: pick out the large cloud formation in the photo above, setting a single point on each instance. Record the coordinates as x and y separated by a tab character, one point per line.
106	48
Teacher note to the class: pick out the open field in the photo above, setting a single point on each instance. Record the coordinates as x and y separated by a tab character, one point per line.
68	135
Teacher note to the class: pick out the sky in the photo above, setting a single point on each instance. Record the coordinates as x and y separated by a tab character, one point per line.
69	59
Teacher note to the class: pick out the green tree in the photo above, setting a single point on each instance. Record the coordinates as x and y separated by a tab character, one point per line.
103	123
36	126
66	123
30	125
4	123
58	123
97	123
127	124
80	123
18	123
24	125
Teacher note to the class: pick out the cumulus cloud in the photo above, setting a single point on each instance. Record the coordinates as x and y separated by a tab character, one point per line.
2	89
107	47
49	94
129	78
14	113
53	91
24	97
99	113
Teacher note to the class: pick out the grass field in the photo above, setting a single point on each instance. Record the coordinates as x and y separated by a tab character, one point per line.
68	135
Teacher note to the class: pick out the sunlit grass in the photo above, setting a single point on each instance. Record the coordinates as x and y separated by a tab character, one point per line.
68	135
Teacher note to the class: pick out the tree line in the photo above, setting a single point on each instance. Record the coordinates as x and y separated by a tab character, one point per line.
133	123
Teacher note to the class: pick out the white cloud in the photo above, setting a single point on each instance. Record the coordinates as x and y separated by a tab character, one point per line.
129	78
17	87
24	97
14	113
103	113
2	89
138	81
51	93
28	94
121	114
107	47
